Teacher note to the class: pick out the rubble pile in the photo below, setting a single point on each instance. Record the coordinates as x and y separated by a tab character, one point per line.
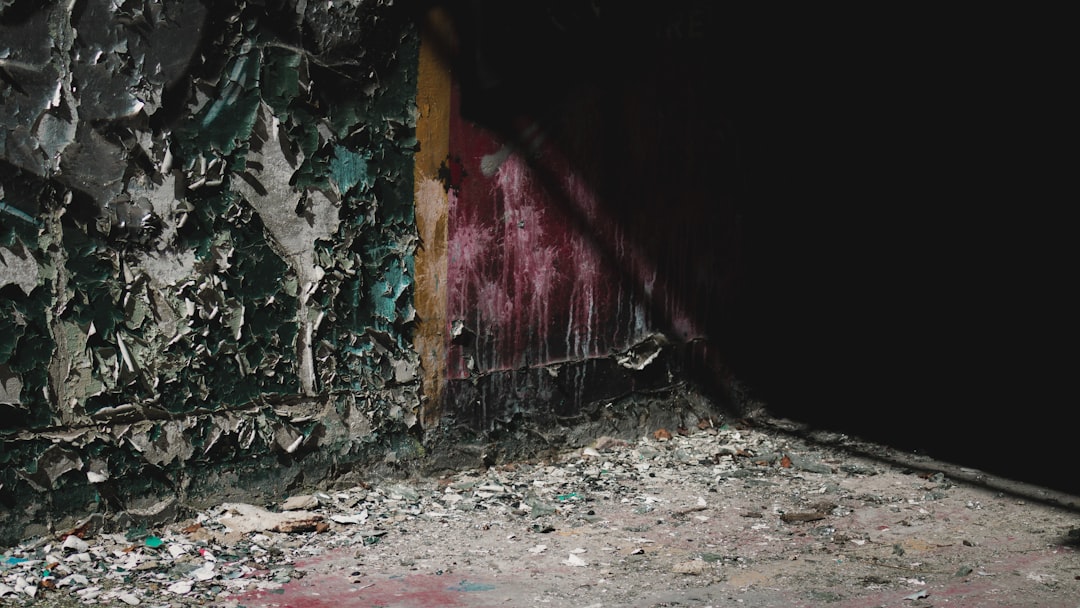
691	507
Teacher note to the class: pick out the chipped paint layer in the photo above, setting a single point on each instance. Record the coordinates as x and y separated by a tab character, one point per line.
207	235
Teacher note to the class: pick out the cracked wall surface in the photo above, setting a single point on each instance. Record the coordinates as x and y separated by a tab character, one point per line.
206	247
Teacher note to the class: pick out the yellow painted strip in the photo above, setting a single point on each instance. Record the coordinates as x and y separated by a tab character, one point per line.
433	133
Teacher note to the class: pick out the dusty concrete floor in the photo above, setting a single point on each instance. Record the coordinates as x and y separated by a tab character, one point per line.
716	516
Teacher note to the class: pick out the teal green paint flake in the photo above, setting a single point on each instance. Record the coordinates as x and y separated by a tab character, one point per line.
17	213
386	293
33	345
93	270
26	344
347	169
226	123
280	81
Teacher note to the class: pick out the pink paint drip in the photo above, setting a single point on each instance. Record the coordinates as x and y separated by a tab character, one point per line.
535	279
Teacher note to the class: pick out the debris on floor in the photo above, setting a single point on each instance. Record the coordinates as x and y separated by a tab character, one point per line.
702	517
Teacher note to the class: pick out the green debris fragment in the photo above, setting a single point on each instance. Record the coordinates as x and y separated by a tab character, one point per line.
467	587
538	507
13	561
154	542
710	558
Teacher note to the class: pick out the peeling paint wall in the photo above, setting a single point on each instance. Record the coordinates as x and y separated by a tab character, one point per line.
253	244
206	246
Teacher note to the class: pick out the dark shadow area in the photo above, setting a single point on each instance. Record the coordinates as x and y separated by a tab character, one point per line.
899	186
926	466
904	251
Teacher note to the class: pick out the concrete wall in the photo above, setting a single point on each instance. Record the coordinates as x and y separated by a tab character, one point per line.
251	246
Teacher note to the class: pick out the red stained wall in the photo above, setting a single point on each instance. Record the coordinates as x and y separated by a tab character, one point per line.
607	220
